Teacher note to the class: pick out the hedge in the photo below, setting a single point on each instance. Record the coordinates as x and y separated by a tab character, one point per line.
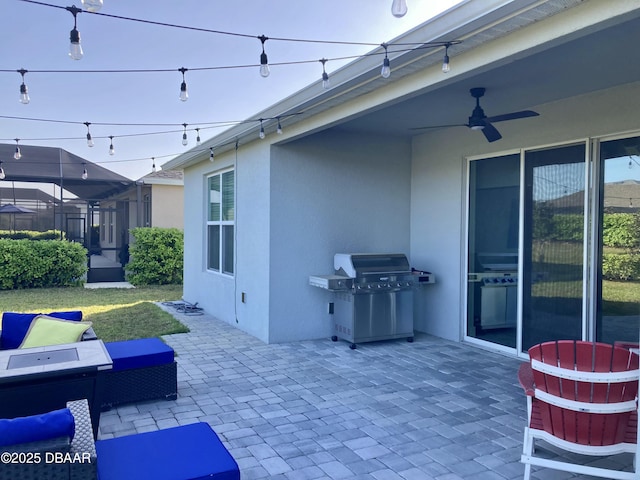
156	256
621	266
47	263
32	235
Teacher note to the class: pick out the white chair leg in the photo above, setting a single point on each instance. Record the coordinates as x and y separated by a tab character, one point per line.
527	451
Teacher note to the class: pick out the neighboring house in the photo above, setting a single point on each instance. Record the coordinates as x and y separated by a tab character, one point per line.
349	174
155	200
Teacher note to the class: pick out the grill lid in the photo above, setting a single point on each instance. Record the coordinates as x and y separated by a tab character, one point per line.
358	264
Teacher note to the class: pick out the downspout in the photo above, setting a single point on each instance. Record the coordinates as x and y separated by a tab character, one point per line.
61	198
139	205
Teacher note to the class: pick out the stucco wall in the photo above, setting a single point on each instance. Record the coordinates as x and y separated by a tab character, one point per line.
167	206
221	294
438	187
330	193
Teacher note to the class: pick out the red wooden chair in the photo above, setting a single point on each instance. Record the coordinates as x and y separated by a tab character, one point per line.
582	398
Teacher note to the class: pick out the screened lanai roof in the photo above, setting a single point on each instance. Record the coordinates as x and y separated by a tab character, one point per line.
55	165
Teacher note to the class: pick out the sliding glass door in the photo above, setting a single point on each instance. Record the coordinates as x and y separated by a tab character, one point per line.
553	244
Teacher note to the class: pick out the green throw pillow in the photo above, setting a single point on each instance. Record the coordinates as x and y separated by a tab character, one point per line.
45	331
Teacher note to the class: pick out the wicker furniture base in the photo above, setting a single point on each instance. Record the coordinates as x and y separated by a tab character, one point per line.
140	384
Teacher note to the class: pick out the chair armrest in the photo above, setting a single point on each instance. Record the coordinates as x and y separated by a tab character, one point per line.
83	443
525	377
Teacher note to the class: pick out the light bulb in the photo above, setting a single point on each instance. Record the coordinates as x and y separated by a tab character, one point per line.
264	62
85	174
385	72
279	129
445	64
92	5
75	49
184	95
24	94
198	140
211	157
630	164
153	167
2	175
112	151
264	65
262	135
185	141
89	140
399	8
18	154
326	83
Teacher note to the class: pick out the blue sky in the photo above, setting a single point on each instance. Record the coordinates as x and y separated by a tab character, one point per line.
36	37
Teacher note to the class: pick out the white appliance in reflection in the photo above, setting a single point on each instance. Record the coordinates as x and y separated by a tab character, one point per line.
499	292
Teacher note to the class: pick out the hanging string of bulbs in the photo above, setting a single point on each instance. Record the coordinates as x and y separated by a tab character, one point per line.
398	9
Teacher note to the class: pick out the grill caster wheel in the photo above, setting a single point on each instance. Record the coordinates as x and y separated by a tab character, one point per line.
334	338
410	339
352	346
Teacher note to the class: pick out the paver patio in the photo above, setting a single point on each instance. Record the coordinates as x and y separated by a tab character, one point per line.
431	409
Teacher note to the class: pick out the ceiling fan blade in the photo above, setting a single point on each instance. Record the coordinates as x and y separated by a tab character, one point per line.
441	126
490	132
513	116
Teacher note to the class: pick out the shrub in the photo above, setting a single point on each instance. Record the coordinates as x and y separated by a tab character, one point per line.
32	235
621	266
621	230
156	256
48	263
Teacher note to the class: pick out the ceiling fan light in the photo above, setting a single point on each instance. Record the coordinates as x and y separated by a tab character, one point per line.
476	127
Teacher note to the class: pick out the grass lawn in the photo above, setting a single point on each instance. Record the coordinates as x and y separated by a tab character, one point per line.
116	313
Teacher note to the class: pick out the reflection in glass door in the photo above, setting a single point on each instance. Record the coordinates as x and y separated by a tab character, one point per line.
494	196
553	245
617	311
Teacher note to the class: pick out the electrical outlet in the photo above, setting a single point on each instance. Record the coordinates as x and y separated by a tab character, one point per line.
243	297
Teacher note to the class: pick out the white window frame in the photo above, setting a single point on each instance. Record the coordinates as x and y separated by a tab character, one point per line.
226	220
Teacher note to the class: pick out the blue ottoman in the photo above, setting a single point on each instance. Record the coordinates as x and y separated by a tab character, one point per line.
143	369
188	452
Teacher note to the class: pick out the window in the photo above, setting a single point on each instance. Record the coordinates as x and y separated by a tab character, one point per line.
221	222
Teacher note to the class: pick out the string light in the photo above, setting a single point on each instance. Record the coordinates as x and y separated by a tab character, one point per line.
112	151
185	141
92	5
326	83
264	62
85	174
17	155
153	166
261	135
24	91
198	140
279	129
445	60
89	139
211	157
385	72
2	174
75	49
399	8
184	95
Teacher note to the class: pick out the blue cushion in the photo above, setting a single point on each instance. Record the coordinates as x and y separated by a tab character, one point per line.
144	352
16	325
58	423
191	451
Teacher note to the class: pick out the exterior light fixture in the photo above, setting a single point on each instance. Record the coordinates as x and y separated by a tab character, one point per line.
24	91
2	175
198	140
112	151
261	135
445	60
385	72
17	155
184	95
75	49
326	83
85	174
185	141
279	129
92	5
89	139
211	157
264	62
153	164
399	8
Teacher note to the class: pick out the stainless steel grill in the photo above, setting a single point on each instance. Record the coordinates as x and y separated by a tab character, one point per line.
373	296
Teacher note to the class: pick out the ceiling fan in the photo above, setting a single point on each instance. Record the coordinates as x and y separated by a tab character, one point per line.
479	121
